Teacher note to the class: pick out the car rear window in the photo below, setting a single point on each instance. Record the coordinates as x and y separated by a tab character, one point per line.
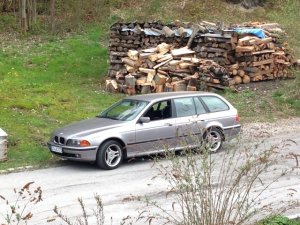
215	104
184	107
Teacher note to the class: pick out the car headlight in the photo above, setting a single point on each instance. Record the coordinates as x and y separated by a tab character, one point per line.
78	143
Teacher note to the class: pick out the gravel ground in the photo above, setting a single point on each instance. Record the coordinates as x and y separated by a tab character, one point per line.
122	189
284	126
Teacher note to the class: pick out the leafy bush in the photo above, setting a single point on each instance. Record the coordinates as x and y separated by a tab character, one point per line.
278	220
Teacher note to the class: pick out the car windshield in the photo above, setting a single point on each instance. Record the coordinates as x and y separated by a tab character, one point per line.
124	110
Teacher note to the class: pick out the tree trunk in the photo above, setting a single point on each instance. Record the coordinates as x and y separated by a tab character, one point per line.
24	26
52	15
34	11
29	14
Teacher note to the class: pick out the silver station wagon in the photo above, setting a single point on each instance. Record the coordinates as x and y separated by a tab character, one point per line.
147	124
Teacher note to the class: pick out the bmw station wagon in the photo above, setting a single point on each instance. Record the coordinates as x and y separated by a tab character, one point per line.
148	124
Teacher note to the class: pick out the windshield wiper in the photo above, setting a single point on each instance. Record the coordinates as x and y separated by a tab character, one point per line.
107	117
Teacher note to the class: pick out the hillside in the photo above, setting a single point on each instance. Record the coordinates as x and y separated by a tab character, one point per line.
50	79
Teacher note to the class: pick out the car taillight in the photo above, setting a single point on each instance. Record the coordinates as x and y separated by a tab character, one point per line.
237	118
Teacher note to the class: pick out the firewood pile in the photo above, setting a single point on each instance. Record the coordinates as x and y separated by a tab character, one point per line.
165	68
152	57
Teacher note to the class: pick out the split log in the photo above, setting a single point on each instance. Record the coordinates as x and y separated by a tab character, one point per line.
179	86
185	65
175	62
146	55
160	79
133	54
150	77
267	61
245	49
241	73
146	70
246	79
260	73
146	88
196	28
153	57
182	32
182	51
150	50
164	58
130	80
208	49
141	80
163	48
129	69
237	79
262	52
264	41
120	54
111	86
168	32
162	63
162	72
150	64
159	88
131	62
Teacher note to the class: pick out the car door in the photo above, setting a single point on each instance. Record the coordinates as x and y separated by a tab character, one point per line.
159	134
191	117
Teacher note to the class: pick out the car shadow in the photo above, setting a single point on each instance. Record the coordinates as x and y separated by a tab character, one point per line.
135	161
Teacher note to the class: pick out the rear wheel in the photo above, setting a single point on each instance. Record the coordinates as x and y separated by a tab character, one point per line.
110	155
213	139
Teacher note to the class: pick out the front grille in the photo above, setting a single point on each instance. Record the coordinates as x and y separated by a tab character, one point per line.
59	140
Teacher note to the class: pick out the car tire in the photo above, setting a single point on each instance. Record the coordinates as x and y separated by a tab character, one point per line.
110	155
213	139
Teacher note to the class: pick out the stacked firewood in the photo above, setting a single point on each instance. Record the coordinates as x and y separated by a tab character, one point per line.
261	58
166	68
218	47
152	57
124	37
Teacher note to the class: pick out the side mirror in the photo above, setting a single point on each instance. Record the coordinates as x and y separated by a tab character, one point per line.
144	120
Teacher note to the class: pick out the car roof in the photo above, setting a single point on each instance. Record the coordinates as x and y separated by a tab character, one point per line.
168	95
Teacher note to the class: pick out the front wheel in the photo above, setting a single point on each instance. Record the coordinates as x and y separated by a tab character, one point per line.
110	155
213	140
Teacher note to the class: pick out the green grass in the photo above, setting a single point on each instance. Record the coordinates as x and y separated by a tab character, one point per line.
49	81
279	220
45	85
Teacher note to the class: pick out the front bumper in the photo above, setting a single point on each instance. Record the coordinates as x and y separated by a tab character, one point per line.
87	154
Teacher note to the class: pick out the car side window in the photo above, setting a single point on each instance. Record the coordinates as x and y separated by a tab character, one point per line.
215	104
199	106
184	107
160	110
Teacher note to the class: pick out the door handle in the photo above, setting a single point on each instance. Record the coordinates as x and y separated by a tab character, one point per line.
169	124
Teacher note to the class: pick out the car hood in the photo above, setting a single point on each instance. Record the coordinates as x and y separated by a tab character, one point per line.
87	127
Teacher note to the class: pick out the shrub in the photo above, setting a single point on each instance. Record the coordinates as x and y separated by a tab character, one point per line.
223	188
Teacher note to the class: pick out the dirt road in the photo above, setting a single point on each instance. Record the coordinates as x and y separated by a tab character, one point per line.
122	188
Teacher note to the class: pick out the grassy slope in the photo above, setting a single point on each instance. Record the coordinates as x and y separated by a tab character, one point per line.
46	84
